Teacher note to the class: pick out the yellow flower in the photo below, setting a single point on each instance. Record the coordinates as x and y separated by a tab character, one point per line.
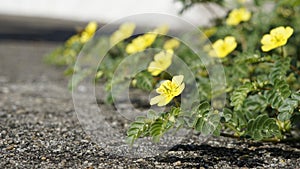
73	39
141	43
277	37
210	31
162	30
168	90
221	48
149	38
122	33
161	62
85	37
91	27
171	44
238	15
88	32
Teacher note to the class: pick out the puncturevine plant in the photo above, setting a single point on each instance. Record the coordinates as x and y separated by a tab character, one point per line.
259	51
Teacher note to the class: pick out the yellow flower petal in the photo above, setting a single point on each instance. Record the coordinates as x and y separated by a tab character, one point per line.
267	40
208	32
179	90
171	44
178	79
124	32
161	62
85	37
154	68
156	100
91	27
289	31
165	101
130	49
149	38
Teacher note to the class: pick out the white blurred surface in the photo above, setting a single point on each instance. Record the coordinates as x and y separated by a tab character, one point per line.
104	11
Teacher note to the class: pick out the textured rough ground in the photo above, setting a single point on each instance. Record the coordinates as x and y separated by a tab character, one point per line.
39	128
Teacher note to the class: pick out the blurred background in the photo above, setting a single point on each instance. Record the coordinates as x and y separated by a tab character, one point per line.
56	19
99	10
32	29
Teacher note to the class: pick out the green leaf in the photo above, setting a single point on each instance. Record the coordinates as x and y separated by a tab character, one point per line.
263	127
280	67
278	94
296	96
239	95
144	81
273	99
252	58
255	103
157	129
290	2
152	115
239	120
283	88
204	107
284	116
154	125
227	115
206	120
288	107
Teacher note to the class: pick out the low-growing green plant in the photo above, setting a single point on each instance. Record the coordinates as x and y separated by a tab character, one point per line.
259	50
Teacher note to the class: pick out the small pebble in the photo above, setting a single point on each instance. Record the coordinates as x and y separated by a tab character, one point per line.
140	160
177	163
11	147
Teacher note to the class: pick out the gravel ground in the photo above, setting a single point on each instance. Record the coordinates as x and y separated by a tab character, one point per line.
39	128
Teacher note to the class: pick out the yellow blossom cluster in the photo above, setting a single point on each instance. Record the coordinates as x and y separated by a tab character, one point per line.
84	36
88	32
142	42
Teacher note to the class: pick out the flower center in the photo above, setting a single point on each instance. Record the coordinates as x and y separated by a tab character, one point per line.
169	89
278	38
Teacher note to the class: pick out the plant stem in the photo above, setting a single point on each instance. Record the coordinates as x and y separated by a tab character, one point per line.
273	140
242	38
176	102
282	51
229	135
294	68
232	128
